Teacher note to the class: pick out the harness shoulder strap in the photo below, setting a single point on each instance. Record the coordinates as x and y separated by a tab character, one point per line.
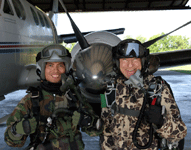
154	90
36	97
110	97
158	81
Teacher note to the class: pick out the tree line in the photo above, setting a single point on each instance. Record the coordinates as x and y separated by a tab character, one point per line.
168	43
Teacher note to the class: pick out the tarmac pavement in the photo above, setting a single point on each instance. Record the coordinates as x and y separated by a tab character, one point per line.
179	82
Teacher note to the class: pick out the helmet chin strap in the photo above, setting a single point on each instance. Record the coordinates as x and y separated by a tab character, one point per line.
38	72
135	80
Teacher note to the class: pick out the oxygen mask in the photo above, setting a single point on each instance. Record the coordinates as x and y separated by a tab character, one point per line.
135	80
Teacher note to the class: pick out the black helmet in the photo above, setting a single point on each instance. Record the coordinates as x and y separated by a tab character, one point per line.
130	48
52	53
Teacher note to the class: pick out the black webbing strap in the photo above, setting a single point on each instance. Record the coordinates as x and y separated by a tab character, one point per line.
72	102
125	111
36	97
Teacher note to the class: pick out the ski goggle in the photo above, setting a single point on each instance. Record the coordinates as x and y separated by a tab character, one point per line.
131	50
47	53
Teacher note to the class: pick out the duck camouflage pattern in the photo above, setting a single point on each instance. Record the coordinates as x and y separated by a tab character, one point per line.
118	128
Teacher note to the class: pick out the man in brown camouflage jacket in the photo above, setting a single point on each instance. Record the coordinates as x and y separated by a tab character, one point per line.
122	114
50	123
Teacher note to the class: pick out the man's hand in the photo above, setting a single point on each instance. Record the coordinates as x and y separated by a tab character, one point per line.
26	126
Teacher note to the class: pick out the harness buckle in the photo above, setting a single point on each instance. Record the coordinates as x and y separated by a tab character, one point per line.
35	94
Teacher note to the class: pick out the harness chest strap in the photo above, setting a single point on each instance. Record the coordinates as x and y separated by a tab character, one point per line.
125	111
111	96
37	96
109	100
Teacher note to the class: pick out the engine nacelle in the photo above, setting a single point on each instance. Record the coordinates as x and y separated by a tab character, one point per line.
94	63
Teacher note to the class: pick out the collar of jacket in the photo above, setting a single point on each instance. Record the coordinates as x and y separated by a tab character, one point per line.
53	88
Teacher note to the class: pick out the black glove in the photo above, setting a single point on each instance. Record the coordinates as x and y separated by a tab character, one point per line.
154	115
85	120
81	119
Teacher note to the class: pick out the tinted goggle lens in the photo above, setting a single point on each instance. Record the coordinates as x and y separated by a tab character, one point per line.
131	50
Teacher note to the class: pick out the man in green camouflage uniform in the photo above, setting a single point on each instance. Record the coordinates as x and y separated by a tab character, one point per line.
61	130
131	59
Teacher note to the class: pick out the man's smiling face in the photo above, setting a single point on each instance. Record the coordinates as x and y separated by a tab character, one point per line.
129	66
53	71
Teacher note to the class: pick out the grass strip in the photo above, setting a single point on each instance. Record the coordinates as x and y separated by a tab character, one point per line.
183	69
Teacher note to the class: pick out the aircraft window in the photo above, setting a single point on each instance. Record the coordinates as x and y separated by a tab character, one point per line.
46	21
7	8
19	9
41	19
0	3
34	16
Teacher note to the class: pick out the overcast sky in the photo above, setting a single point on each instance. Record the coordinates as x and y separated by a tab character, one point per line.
144	23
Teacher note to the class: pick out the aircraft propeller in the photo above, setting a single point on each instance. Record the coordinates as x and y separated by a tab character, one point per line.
82	41
149	43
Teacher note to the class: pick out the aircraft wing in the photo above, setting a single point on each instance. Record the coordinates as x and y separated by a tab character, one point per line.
70	38
174	58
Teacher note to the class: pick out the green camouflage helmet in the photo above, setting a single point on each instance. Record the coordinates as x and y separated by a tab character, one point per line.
52	53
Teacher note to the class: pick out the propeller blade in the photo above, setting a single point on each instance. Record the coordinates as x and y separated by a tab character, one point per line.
149	43
82	41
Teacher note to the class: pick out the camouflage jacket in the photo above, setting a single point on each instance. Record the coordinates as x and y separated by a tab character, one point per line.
118	129
48	104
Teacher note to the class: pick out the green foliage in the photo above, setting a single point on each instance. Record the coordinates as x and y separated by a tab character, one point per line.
169	43
141	38
69	46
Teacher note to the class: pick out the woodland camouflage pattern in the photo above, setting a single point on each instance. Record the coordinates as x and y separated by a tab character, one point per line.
47	107
118	130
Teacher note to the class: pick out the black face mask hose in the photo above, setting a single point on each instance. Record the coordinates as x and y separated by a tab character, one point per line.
138	125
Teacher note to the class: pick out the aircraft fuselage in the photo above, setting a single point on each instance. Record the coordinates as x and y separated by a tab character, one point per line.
24	31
